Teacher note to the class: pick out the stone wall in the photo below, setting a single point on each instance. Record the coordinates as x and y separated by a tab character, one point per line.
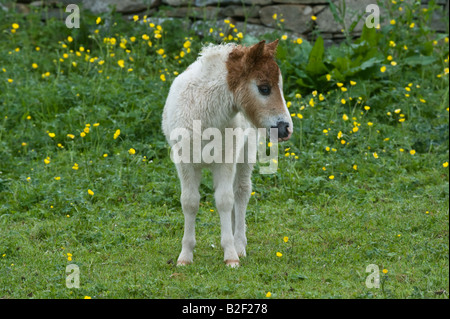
254	17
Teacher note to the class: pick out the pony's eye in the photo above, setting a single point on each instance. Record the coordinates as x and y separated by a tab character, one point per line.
264	89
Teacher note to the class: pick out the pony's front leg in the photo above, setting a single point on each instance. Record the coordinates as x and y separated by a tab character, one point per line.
242	192
223	175
190	199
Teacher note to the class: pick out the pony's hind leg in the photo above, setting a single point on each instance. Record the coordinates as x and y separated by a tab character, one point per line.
190	198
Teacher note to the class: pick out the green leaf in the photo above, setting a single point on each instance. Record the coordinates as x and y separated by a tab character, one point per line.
419	60
315	64
333	10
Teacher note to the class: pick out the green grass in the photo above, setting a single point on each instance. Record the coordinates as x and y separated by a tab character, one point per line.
391	209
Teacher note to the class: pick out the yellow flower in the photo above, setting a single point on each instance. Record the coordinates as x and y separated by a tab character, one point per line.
392	22
160	51
385	271
343	89
352	83
392	44
116	134
268	294
331	177
82	134
314	18
370	123
343	142
90	192
299	41
393	63
52	135
345	116
87	297
389	58
57	178
163	77
105	155
339	84
397	111
339	136
135	17
47	160
328	76
15	26
355	167
284	37
412	25
121	63
132	151
445	164
412	152
375	155
311	102
355	129
273	17
98	20
343	101
285	239
69	39
75	166
383	69
34	66
367	108
71	136
279	254
186	45
10	80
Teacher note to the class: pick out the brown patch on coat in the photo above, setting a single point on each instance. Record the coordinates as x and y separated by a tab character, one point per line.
255	63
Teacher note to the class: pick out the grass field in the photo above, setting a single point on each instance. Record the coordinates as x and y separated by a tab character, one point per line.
86	178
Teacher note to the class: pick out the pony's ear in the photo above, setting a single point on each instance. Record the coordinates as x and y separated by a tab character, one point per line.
272	47
255	52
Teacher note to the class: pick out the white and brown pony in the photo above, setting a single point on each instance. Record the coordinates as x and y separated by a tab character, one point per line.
228	86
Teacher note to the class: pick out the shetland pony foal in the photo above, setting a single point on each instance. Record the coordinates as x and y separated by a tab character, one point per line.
229	86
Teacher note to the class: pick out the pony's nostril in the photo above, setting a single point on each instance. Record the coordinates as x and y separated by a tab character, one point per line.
283	129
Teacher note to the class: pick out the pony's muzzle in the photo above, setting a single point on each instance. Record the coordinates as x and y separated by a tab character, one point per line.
284	131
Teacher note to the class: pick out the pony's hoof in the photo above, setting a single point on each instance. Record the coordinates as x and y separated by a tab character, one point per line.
183	263
232	263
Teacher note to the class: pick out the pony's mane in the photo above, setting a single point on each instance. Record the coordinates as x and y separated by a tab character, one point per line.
214	52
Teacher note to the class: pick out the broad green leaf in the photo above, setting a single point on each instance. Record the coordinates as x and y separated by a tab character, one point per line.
315	64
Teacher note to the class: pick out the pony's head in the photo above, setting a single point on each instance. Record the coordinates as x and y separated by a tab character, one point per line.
255	80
